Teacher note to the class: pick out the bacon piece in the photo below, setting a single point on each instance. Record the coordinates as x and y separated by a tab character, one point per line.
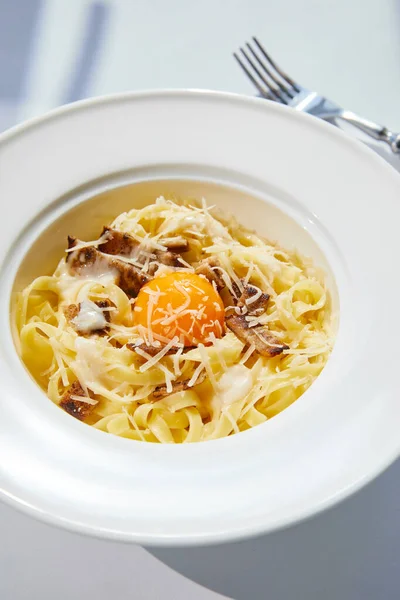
83	258
258	306
128	277
177	244
118	242
177	386
131	279
78	409
265	343
168	258
71	311
209	268
124	244
106	304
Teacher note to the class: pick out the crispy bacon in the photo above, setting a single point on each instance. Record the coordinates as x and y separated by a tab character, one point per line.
118	242
168	258
265	343
128	277
78	409
258	306
209	268
177	244
123	244
131	279
82	258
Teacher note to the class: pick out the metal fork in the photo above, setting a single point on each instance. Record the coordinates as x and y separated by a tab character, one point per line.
274	84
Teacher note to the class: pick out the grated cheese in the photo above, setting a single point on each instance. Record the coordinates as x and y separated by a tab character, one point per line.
248	353
80	245
168	378
206	363
232	421
255	297
197	372
252	320
85	399
249	273
227	280
60	362
153	360
176	362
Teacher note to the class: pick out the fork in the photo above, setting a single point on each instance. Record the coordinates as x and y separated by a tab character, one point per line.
274	84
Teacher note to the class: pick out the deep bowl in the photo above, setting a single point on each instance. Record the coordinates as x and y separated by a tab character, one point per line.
292	178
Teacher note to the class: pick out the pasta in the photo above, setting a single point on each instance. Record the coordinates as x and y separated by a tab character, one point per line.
176	325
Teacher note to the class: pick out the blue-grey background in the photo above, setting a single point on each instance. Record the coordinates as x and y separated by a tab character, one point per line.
58	51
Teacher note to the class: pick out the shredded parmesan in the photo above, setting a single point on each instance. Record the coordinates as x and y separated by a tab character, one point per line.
85	399
255	297
153	360
252	320
249	273
60	362
176	362
206	363
228	281
185	264
247	354
168	378
80	245
197	372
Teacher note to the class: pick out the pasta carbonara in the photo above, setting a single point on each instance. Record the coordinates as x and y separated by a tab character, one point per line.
175	325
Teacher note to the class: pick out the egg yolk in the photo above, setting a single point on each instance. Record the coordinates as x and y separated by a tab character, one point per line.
182	305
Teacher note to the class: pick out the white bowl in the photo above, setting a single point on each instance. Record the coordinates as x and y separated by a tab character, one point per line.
295	179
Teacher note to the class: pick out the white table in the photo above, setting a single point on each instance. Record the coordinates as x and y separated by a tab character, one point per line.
53	51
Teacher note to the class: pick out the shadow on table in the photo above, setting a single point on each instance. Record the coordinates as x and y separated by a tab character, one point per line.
351	552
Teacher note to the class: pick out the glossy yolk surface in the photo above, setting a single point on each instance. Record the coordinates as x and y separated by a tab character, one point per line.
183	305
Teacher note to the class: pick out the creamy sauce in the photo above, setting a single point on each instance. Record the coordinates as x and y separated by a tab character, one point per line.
89	361
90	317
235	384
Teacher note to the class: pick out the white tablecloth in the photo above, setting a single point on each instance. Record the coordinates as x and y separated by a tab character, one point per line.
57	51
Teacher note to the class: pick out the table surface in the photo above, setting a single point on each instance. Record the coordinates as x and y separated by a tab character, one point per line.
57	51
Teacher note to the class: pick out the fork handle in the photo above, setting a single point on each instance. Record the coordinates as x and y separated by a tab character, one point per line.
372	129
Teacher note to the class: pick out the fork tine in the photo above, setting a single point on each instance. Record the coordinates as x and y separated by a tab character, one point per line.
253	80
277	95
282	87
273	64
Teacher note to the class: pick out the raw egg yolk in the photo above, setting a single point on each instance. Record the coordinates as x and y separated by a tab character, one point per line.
182	305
